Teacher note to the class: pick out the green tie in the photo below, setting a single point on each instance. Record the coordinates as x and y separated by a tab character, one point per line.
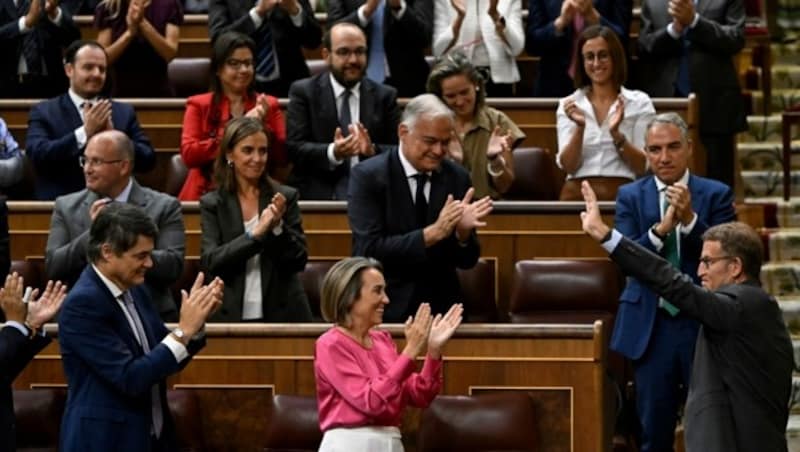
670	253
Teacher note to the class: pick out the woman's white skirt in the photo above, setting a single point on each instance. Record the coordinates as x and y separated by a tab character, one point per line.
362	439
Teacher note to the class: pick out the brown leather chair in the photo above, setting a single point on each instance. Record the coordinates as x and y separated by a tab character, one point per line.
38	418
536	177
189	76
311	279
565	291
292	424
501	421
32	272
187	415
478	287
176	175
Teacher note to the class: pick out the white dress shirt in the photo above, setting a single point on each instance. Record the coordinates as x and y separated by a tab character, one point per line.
355	116
410	172
80	132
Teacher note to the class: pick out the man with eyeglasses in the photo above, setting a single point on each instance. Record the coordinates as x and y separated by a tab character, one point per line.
59	128
652	332
742	369
338	118
107	165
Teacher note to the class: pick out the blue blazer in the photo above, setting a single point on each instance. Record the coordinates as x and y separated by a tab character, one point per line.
637	211
556	50
382	217
108	374
52	148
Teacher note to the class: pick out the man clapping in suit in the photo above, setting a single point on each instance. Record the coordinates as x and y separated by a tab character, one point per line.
107	165
338	118
59	128
411	208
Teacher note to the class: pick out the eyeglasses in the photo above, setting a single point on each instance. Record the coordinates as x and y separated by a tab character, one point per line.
93	163
344	52
238	64
709	261
599	56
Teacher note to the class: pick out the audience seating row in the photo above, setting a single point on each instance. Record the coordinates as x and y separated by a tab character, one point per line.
501	421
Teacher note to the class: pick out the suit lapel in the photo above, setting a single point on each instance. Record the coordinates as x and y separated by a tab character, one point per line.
69	110
119	317
326	102
438	194
366	111
137	196
651	213
232	211
400	195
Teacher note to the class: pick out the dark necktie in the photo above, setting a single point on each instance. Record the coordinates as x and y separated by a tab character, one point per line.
670	253
141	337
265	58
344	113
30	48
420	202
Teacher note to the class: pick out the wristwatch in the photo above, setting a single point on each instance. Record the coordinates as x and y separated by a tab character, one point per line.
620	144
179	334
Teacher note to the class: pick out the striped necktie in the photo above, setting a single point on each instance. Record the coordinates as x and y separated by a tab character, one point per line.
30	46
265	56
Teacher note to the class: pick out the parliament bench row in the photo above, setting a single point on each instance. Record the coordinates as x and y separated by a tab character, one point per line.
491	421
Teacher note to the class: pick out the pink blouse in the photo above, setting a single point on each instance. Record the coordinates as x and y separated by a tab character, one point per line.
358	386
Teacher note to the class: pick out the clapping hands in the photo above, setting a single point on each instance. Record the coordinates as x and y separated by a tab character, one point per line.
36	312
425	330
442	329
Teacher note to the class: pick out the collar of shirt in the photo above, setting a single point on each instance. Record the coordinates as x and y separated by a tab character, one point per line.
661	186
408	168
338	88
582	101
78	100
126	192
481	121
115	291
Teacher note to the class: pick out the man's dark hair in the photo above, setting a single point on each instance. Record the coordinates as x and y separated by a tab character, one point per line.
119	225
616	51
72	49
224	46
738	239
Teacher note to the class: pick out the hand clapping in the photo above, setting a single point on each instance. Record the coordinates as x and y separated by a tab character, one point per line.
417	329
442	329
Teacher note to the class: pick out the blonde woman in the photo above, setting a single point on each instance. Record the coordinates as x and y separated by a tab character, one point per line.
140	38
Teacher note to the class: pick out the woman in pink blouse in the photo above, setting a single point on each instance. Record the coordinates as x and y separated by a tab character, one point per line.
363	383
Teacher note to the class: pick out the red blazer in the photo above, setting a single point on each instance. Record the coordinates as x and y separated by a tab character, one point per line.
202	133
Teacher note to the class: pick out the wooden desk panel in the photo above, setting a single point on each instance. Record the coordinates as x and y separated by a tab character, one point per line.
560	366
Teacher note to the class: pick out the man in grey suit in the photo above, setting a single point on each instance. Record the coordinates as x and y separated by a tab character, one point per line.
107	163
742	371
688	46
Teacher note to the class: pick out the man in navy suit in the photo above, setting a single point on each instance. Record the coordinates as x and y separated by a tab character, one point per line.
59	128
116	351
553	30
21	339
655	335
411	209
327	136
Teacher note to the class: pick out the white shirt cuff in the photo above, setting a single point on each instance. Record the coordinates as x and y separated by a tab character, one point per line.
611	244
695	20
21	23
257	20
671	31
401	11
297	19
332	157
686	230
80	136
57	20
178	350
278	228
657	242
20	327
362	19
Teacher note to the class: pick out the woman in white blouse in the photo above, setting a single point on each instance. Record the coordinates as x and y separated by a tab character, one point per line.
601	126
489	32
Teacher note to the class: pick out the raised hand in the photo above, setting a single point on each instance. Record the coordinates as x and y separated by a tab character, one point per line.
442	329
344	146
97	117
591	221
199	304
364	144
290	6
11	299
619	115
448	218
679	197
417	329
574	113
265	6
270	216
568	11
474	213
498	143
45	307
682	11
34	13
492	11
51	8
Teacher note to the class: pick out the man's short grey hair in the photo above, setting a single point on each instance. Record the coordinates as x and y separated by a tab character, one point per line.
670	118
427	105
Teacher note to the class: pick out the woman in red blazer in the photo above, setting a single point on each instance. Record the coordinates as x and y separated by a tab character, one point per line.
232	95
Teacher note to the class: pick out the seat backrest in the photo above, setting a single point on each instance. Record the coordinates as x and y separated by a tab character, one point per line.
176	175
564	285
32	272
189	76
493	421
38	417
311	278
186	413
317	66
478	285
535	176
292	424
191	266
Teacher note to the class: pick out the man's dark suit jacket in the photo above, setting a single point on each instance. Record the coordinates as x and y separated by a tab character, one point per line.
233	15
382	217
51	40
715	41
5	249
312	119
404	41
53	150
225	250
65	254
555	50
742	371
108	373
16	351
